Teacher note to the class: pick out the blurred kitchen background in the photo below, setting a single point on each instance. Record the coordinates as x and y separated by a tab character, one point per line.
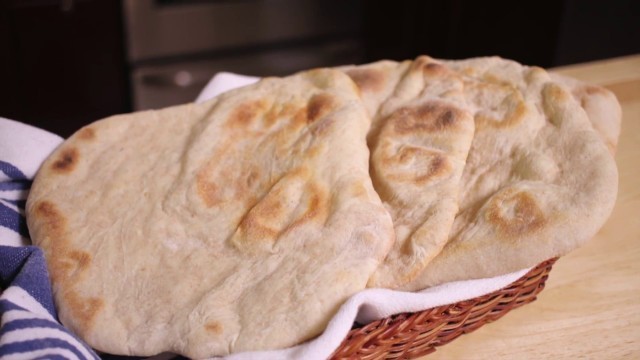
65	63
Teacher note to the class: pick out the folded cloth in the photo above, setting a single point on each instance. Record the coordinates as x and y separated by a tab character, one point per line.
28	325
29	328
22	150
224	81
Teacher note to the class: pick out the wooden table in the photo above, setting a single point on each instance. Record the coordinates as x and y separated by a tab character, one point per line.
591	305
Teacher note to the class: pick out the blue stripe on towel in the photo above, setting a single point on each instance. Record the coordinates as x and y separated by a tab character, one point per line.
11	171
25	267
13	185
25	282
30	323
19	203
51	357
6	305
20	324
39	344
13	220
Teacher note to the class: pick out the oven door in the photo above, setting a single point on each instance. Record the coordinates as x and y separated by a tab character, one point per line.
163	28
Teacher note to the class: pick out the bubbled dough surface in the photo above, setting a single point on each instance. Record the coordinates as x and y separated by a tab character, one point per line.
238	224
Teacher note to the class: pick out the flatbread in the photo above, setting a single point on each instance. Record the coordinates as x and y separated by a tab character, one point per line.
377	82
601	106
419	139
380	81
538	182
239	224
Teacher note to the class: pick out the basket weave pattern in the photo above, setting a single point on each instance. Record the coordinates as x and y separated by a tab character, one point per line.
411	335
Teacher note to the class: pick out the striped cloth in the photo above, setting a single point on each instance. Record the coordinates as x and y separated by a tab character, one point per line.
29	329
28	325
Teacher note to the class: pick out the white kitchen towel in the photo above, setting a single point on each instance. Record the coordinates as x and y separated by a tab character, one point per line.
29	328
224	81
22	150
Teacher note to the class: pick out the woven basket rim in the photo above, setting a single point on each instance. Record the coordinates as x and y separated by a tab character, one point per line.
411	335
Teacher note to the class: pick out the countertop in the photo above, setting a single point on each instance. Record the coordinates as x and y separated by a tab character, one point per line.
590	307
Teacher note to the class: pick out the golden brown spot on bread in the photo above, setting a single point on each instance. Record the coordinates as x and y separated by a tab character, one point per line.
214	327
66	161
514	116
81	258
66	265
493	79
429	117
555	93
357	190
319	105
367	80
206	187
207	190
286	207
299	118
437	166
432	69
254	229
507	104
554	101
316	203
272	207
84	309
279	111
54	224
86	133
244	115
470	71
415	165
260	226
515	213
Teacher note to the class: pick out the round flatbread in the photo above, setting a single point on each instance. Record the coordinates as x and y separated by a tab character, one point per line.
239	224
538	182
419	140
386	84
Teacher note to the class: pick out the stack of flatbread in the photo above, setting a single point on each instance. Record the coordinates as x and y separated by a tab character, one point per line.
243	223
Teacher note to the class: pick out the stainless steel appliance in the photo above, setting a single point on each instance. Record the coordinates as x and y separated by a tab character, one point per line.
175	47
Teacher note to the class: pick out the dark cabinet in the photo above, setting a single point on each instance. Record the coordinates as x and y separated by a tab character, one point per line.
543	32
63	62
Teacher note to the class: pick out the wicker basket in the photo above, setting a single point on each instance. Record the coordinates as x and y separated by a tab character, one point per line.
411	335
